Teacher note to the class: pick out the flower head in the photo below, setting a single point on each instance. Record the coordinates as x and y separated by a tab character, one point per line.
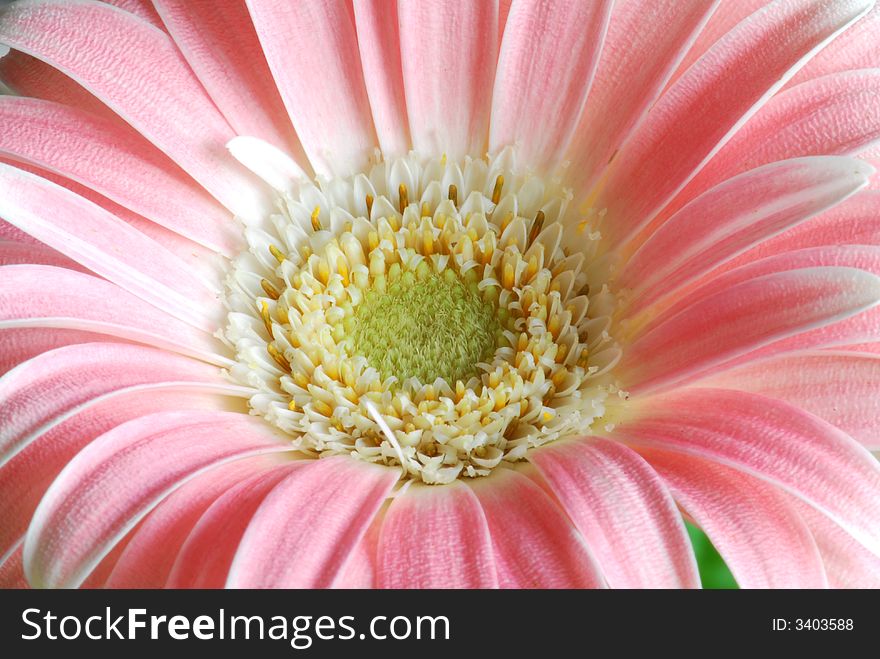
473	323
430	293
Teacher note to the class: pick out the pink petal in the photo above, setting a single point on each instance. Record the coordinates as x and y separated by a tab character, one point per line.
857	48
28	76
116	480
378	37
623	510
863	257
98	577
310	47
774	441
856	221
448	51
534	543
19	345
54	383
208	550
12	571
503	12
436	537
743	317
869	347
48	297
723	20
115	161
104	244
627	83
153	549
760	536
16	253
861	327
847	563
739	73
203	262
25	477
141	8
360	570
744	211
833	115
11	233
871	157
219	42
147	82
542	83
303	533
842	388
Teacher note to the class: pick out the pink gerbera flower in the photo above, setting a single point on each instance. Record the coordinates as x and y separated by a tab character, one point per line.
439	293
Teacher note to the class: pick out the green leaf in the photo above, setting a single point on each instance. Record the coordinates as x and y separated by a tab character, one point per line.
713	570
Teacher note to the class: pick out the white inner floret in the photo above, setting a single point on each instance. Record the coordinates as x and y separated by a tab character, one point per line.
460	306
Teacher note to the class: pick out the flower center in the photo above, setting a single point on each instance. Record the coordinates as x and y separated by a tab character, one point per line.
425	325
433	317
